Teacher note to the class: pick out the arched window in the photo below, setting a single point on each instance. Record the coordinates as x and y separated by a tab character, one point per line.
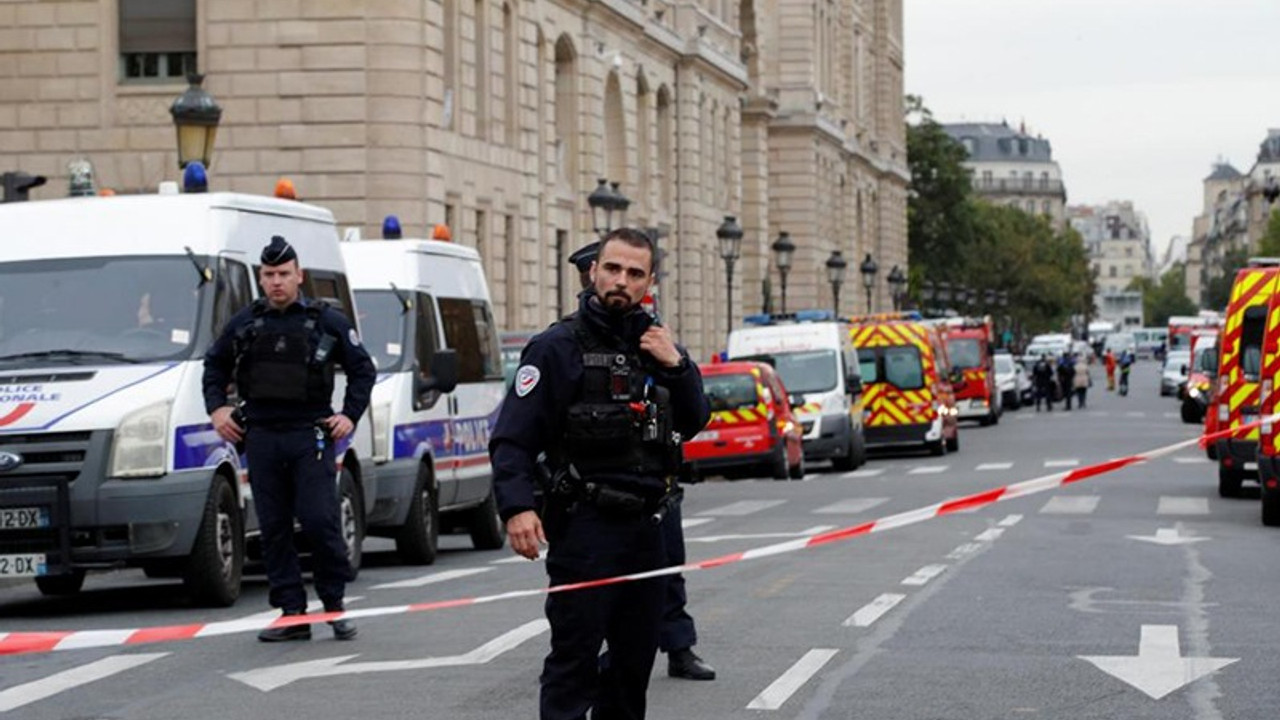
666	129
511	74
480	60
566	117
615	132
644	154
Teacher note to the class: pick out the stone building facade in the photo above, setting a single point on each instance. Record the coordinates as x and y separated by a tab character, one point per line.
497	117
1011	167
1118	242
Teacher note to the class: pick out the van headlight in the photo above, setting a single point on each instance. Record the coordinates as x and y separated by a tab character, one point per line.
140	445
382	430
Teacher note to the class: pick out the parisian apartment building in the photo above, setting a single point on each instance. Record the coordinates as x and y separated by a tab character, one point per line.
1118	242
1237	207
498	118
1013	168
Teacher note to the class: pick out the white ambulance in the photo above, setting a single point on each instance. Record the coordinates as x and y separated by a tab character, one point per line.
107	458
426	318
814	355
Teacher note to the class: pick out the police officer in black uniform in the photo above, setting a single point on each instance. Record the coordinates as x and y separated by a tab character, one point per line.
608	396
280	351
679	634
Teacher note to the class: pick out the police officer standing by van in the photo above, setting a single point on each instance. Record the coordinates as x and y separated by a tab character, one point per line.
608	396
281	351
678	634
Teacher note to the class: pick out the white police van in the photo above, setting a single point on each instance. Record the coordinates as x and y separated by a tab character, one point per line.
426	318
107	458
814	355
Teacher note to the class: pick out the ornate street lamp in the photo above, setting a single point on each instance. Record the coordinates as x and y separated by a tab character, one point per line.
783	249
195	115
601	201
897	281
836	265
620	204
868	268
729	236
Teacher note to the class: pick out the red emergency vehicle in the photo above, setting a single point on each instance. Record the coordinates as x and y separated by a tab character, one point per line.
969	342
752	429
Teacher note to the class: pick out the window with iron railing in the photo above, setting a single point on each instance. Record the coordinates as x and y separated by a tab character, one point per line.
157	40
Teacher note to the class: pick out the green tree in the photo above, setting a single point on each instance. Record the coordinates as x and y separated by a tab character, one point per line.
939	211
1269	244
1217	292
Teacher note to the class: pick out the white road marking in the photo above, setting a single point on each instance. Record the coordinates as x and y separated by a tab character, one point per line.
1135	413
925	574
433	578
1168	536
927	470
1170	505
1159	667
865	473
851	506
1201	460
21	695
1071	505
873	610
742	507
963	550
1172	415
1071	462
989	535
257	621
792	680
994	466
686	523
1009	521
809	532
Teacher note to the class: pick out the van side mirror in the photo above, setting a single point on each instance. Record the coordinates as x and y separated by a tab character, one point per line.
795	400
442	378
853	384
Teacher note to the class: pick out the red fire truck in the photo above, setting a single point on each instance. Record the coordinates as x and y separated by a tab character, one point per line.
969	344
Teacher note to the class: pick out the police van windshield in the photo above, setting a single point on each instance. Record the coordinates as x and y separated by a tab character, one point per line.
964	352
103	309
382	327
730	392
803	372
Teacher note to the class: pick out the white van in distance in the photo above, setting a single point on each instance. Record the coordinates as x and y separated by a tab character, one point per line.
107	457
427	322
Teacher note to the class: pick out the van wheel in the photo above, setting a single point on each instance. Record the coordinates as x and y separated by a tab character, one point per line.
487	529
854	456
417	540
1191	412
953	442
778	469
1229	481
212	573
1270	508
351	514
797	470
995	418
68	584
937	448
1211	451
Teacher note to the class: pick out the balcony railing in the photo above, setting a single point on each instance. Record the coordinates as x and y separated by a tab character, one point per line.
1018	186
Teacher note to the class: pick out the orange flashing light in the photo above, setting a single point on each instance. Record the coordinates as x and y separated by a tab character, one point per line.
441	232
285	189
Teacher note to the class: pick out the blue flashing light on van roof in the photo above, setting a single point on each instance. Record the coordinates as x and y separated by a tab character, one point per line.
194	178
798	316
391	228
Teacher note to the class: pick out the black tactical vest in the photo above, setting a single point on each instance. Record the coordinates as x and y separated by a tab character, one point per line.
285	361
621	424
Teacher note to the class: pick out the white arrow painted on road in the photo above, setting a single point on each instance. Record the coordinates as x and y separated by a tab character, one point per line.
1167	536
270	678
1159	667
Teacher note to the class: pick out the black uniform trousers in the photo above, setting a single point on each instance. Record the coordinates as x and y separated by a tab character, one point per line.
586	545
288	481
678	631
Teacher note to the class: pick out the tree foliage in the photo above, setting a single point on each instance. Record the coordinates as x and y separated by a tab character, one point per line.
1166	297
956	237
1217	292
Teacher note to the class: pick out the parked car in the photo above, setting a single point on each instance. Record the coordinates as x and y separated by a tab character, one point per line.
1011	379
753	428
1173	375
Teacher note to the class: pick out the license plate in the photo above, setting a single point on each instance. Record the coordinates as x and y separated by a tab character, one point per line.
977	404
21	565
707	435
23	518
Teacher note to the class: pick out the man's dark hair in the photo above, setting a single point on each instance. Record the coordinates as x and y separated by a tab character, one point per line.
636	238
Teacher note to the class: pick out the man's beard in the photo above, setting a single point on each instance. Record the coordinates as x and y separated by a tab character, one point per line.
616	308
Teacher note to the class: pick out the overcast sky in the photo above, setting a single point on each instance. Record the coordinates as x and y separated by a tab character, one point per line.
1137	97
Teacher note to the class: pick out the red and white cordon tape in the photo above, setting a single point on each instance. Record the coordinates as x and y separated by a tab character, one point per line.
35	642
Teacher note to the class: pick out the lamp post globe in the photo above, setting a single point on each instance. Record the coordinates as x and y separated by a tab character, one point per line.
620	204
868	268
783	250
195	117
836	265
729	238
601	202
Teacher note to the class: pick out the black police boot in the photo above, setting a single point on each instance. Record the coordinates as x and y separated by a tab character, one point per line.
686	664
290	632
342	629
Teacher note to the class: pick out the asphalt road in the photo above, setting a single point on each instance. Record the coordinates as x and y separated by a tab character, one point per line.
1046	606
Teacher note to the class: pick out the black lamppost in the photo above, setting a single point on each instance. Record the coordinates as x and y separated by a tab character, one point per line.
836	265
868	268
897	281
729	235
783	249
604	202
195	116
927	291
